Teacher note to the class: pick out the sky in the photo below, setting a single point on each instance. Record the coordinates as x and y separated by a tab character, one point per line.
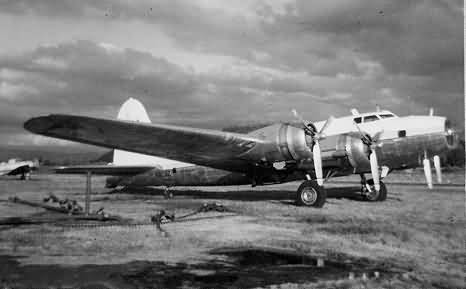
219	63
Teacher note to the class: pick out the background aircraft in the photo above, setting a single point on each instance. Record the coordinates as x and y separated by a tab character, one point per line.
16	167
375	143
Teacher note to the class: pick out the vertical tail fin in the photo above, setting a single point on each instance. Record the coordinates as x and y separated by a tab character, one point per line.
132	110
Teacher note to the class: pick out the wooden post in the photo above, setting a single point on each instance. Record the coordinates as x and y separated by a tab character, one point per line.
88	194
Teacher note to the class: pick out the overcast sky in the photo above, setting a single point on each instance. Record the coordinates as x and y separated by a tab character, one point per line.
217	63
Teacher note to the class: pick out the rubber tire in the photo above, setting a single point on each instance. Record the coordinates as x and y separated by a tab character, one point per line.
321	194
168	195
382	193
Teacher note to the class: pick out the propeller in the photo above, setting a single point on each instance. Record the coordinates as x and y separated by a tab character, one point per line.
438	169
371	142
428	172
311	130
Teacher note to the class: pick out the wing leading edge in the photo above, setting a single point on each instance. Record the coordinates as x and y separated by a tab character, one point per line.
205	147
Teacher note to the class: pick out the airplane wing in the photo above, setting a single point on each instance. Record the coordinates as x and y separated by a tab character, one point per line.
217	149
108	170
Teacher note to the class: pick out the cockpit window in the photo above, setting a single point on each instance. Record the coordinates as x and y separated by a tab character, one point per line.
386	115
358	119
370	118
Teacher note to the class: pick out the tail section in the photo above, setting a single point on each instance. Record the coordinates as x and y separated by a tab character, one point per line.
133	110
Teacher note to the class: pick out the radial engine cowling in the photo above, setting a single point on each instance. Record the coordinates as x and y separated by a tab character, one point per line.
293	143
283	143
356	150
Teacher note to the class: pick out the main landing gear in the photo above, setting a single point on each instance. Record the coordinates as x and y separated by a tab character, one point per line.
369	192
167	193
25	176
310	194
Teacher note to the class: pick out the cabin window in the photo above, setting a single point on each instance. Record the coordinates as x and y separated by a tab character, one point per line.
174	170
401	133
358	119
370	118
386	115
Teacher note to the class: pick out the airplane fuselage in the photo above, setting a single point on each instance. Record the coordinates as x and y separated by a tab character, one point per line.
404	142
13	167
375	143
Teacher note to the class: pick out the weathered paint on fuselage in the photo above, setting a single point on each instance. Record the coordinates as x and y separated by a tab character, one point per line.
422	135
182	176
13	167
398	153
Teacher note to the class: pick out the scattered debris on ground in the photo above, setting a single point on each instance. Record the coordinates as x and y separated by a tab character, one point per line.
72	214
70	211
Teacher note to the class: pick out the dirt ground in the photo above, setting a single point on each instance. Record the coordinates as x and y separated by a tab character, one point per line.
415	239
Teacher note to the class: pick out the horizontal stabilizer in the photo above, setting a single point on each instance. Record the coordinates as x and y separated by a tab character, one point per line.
108	170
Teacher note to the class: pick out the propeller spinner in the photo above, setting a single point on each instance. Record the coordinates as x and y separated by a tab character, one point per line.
310	129
371	142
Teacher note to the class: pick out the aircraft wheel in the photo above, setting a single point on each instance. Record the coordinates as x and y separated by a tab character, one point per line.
168	194
25	176
310	194
375	196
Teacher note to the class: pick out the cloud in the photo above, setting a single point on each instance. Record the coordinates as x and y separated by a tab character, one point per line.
83	77
207	63
412	37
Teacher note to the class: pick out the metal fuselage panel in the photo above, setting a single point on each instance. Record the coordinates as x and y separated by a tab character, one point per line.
184	176
403	144
15	167
396	153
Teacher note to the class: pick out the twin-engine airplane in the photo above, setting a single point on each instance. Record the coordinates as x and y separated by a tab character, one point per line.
368	143
17	167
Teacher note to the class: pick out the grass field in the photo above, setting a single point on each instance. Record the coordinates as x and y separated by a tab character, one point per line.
416	239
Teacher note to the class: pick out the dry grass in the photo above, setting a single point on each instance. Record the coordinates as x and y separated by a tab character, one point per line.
416	231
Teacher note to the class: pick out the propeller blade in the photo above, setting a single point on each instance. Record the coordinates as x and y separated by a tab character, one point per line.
428	172
298	116
326	124
363	135
438	169
318	163
303	121
376	136
375	169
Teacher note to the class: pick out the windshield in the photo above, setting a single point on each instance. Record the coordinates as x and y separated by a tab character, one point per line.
370	118
386	115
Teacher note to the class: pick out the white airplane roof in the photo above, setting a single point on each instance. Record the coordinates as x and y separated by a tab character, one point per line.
374	113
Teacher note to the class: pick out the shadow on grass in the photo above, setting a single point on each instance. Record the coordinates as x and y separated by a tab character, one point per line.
240	267
224	193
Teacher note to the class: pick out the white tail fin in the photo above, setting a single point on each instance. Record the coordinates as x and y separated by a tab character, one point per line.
133	110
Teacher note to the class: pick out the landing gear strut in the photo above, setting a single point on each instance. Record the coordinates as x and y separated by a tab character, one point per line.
369	192
310	194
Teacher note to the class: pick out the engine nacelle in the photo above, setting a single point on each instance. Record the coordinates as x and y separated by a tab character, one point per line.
356	151
293	143
287	143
